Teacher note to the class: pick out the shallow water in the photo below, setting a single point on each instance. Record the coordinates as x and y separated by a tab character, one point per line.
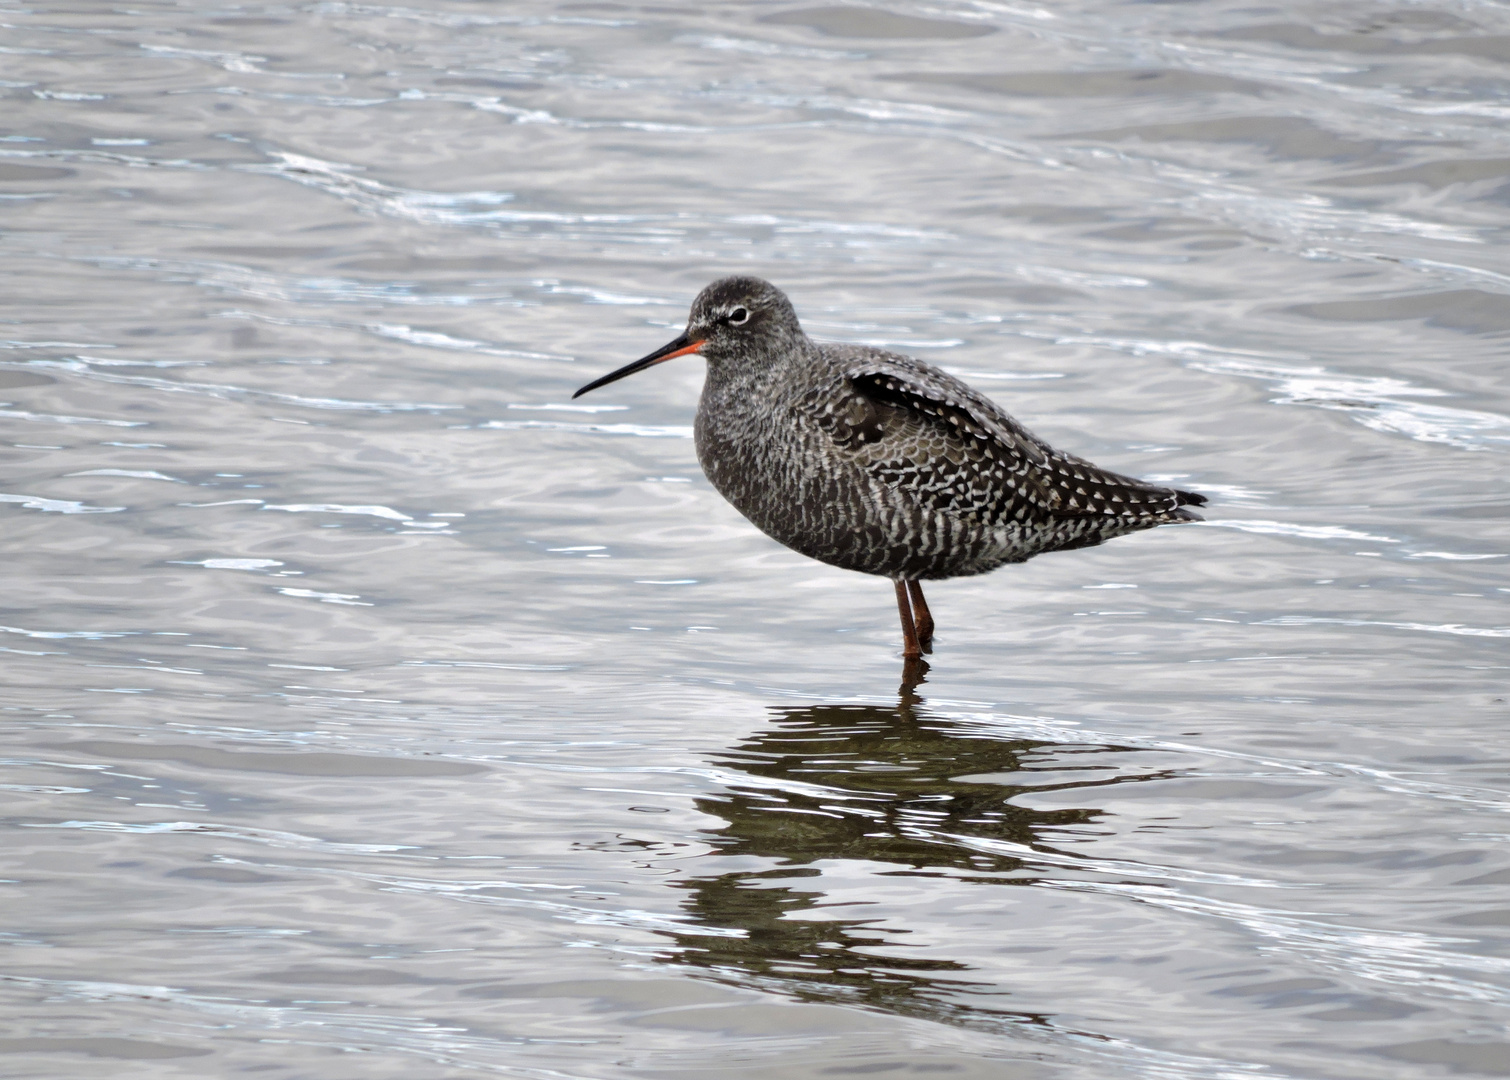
464	729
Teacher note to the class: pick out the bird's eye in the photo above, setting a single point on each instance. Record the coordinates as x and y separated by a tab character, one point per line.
739	316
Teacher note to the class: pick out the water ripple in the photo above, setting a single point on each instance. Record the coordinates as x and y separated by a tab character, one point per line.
1456	629
1289	528
270	837
87	367
59	506
1373	401
386	512
54	418
1428	964
135	474
645	431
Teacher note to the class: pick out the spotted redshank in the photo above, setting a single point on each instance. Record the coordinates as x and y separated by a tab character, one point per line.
876	462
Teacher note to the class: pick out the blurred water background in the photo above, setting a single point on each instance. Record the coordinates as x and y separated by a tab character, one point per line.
464	730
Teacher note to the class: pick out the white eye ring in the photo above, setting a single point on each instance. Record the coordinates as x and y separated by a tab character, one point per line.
739	316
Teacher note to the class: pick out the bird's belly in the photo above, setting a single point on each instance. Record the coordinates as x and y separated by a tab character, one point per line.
802	491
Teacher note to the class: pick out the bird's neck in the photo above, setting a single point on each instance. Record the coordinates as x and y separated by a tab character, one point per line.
764	377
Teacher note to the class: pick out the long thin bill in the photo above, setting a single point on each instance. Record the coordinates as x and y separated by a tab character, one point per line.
680	347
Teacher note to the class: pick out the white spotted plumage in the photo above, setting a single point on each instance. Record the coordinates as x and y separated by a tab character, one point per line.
878	462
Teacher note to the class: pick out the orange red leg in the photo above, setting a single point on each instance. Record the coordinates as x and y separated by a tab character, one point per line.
922	618
911	650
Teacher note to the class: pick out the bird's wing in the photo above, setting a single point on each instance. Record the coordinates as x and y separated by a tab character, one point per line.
920	429
912	384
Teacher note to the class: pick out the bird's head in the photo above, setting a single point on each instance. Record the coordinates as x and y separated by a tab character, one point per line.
735	321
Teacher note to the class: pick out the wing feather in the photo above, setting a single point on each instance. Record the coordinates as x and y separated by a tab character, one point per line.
919	429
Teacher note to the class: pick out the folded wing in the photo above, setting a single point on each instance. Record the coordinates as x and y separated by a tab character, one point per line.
920	430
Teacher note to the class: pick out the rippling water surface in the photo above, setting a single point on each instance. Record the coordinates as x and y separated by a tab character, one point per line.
372	710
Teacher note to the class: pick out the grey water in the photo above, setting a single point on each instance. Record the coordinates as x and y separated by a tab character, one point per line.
373	710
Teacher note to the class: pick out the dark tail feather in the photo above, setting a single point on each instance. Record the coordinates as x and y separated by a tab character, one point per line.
1187	498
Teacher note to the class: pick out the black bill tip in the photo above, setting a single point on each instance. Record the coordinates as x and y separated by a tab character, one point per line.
681	346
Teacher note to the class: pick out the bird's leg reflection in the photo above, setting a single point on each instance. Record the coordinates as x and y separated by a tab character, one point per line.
914	675
828	798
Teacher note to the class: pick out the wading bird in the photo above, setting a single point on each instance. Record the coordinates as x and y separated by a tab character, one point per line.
876	462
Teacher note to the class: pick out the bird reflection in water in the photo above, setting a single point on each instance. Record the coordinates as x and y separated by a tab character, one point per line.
879	785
